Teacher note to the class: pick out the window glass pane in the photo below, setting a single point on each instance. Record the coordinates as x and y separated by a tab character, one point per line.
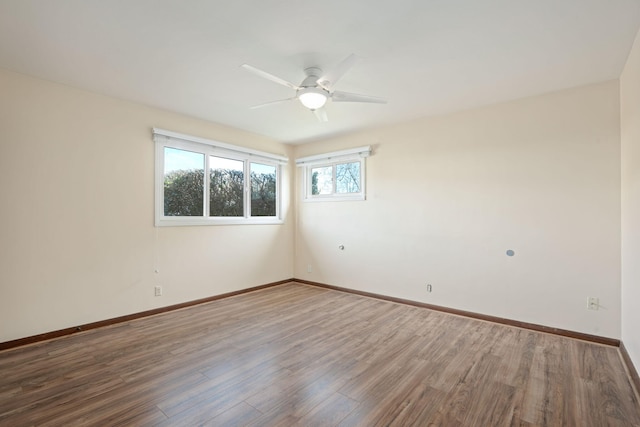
321	180
348	178
226	195
263	190
183	183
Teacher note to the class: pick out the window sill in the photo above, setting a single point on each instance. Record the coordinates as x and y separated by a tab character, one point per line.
180	222
333	198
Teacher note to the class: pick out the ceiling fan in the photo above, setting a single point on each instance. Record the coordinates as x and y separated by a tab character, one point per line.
317	88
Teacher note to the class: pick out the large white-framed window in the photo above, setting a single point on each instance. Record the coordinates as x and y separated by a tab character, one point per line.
204	182
339	175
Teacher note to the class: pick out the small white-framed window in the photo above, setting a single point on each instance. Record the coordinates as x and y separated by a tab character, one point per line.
240	186
338	175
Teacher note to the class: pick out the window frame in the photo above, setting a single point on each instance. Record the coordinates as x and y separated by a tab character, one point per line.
163	138
333	159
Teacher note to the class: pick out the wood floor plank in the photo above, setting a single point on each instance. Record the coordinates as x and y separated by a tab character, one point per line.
301	355
419	407
240	415
330	412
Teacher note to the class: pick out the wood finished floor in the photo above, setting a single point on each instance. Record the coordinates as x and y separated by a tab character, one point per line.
301	355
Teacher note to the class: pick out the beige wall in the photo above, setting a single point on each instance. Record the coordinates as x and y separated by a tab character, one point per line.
448	196
77	221
630	136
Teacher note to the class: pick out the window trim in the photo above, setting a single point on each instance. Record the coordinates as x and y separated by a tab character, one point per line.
164	138
331	160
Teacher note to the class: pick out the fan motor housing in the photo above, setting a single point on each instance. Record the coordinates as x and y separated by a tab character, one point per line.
313	74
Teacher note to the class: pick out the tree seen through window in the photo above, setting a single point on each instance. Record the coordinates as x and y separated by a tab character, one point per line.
184	186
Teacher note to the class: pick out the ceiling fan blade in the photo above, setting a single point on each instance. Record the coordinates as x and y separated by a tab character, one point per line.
321	114
269	76
331	78
266	104
338	96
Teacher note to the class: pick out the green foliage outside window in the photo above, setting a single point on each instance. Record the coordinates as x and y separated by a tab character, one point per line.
314	184
226	192
183	193
263	194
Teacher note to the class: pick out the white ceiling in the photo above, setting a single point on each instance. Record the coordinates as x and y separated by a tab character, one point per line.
425	56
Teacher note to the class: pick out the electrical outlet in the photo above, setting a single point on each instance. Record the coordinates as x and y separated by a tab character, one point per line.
158	291
429	288
309	268
593	303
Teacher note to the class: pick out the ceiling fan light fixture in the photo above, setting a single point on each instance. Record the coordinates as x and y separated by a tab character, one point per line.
313	97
